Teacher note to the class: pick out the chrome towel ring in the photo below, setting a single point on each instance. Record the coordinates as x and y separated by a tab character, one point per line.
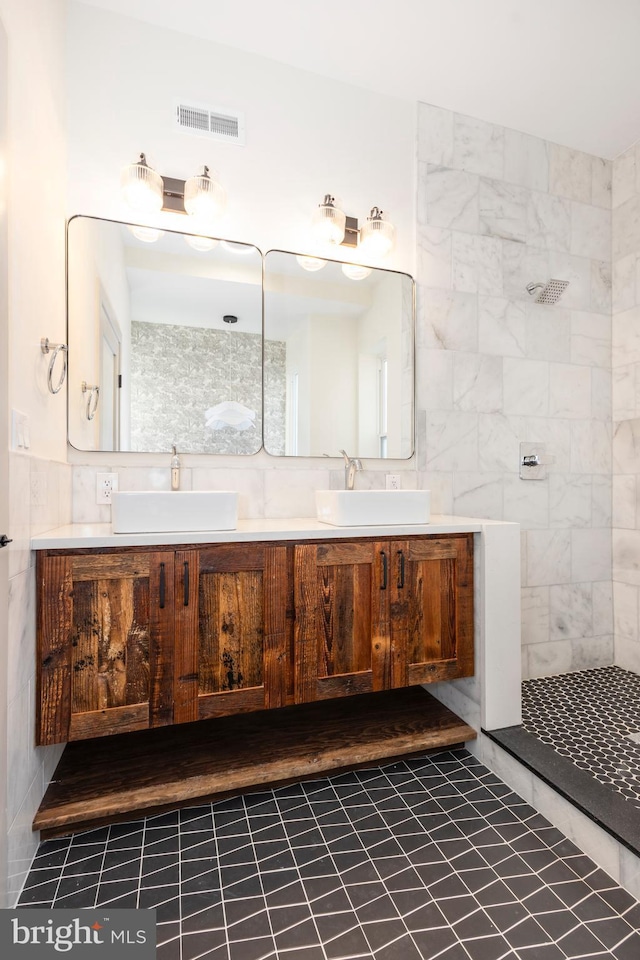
57	348
93	391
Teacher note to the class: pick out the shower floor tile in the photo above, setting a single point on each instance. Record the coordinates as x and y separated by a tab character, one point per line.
592	718
425	858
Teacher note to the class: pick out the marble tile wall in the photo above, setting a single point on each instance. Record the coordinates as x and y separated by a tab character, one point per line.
40	499
626	406
497	209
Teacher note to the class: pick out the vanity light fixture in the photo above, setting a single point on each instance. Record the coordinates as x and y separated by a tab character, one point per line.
142	186
204	197
331	225
145	190
377	235
355	271
311	263
329	222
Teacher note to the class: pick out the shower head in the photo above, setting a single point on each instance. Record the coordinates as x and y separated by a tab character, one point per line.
549	292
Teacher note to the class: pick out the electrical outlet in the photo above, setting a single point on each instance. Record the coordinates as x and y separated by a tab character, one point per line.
393	481
106	483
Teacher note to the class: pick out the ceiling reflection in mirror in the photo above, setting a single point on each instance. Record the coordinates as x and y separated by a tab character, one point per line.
169	328
345	336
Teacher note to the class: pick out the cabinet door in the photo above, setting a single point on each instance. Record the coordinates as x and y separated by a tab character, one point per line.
341	634
432	609
231	630
105	644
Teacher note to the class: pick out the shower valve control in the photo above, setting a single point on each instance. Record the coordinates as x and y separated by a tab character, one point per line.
534	461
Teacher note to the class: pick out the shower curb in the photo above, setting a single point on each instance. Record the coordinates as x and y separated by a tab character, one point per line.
610	811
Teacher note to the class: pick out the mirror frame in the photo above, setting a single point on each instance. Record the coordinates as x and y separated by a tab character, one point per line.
263	256
183	233
400	273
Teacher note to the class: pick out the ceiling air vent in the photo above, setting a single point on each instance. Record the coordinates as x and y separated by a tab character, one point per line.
216	123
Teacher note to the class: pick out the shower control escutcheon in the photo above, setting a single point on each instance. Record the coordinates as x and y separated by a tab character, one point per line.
534	461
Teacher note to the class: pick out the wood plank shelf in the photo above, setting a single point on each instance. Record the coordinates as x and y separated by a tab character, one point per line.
125	776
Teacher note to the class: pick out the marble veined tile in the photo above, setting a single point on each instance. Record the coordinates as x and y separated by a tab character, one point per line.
569	391
503	210
548	557
601	286
452	441
448	321
499	438
435	135
625	497
477	383
526	503
478	147
569	500
624	273
451	198
526	160
624	177
549	222
434	257
571	611
626	227
590	555
534	605
548	332
570	173
501	326
476	264
590	231
601	176
526	387
590	339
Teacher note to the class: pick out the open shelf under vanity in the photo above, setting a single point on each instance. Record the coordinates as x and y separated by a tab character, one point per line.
128	775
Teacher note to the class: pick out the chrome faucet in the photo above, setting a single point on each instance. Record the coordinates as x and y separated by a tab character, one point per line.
175	468
351	467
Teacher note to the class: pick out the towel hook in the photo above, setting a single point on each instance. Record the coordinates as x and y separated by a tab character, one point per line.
92	400
47	347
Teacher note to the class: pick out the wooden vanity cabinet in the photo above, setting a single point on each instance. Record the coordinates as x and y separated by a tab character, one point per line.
105	650
373	615
130	639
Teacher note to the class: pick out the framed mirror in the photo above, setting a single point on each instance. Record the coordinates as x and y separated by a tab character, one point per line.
344	337
165	341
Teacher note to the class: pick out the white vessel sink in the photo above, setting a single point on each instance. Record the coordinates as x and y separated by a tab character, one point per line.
169	511
353	508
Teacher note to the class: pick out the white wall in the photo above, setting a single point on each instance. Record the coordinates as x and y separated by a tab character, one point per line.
305	135
39	484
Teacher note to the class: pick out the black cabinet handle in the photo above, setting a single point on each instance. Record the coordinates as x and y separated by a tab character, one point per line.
401	576
163	586
4	540
186	583
385	570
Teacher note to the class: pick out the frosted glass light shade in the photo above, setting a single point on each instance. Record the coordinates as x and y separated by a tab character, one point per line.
377	235
329	222
311	263
142	186
204	197
355	271
202	244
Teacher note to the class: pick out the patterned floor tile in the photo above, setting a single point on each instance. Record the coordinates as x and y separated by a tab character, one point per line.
429	858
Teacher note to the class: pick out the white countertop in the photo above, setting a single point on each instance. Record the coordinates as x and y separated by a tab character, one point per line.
83	535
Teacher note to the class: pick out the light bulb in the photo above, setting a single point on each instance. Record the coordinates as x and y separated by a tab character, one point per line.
355	271
311	263
146	234
142	186
376	235
204	197
329	221
202	244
